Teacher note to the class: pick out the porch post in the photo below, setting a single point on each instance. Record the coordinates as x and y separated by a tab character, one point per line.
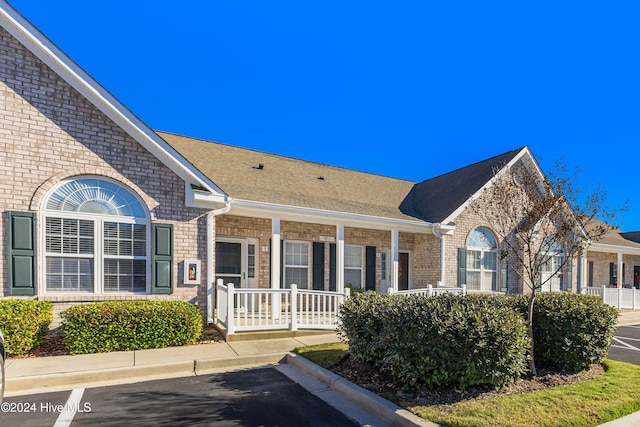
275	253
395	258
620	270
340	258
584	272
275	266
619	279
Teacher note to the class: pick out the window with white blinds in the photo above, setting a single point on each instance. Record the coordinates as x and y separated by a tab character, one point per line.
96	239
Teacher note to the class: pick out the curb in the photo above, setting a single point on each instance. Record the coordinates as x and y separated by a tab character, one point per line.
65	381
382	408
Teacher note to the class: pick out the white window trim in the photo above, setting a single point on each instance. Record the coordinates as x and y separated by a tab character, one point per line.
483	250
285	266
98	250
483	268
554	274
362	265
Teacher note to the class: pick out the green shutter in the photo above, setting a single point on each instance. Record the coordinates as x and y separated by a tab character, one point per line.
318	266
612	278
370	273
21	239
462	266
162	258
332	267
504	274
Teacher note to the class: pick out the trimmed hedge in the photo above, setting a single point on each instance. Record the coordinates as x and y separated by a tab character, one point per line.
570	331
130	325
24	323
440	341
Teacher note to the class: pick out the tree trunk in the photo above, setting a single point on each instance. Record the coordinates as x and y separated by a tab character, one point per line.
532	362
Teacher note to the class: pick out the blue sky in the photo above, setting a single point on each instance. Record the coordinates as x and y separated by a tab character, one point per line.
409	89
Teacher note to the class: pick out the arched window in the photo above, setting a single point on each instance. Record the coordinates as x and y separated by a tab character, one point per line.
96	238
482	261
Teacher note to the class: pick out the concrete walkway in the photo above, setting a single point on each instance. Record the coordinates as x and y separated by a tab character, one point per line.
47	374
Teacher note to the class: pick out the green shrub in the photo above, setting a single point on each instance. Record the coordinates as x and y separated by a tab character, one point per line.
361	322
130	325
441	341
455	341
24	323
570	331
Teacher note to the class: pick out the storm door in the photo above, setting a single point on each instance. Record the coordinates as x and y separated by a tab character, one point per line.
236	262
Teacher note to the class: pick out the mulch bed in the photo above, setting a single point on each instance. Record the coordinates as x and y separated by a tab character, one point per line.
382	383
55	345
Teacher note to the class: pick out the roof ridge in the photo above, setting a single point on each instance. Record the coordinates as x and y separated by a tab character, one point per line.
517	150
283	156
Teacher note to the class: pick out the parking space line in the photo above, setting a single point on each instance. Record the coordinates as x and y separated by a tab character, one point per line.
624	344
70	408
627	338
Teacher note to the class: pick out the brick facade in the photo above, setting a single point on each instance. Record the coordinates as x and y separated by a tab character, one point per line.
49	132
425	267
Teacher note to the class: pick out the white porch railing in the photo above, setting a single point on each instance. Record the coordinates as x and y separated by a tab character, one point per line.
252	309
431	291
616	297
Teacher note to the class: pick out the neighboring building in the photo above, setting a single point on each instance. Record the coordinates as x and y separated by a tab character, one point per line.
616	251
97	206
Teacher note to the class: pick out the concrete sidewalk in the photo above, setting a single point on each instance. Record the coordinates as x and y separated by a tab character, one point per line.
45	374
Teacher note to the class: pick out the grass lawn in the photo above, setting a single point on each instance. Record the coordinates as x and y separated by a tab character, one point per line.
612	395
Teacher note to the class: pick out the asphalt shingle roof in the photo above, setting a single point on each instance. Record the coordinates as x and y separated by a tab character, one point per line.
435	199
293	182
257	176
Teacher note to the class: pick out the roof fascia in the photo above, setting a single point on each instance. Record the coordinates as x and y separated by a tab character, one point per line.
80	80
490	182
603	247
318	216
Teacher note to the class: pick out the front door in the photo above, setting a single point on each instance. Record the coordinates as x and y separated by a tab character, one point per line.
636	277
403	271
236	261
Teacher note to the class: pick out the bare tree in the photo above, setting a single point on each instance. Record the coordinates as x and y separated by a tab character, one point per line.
541	224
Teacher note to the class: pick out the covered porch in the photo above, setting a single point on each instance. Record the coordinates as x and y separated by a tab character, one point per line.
292	272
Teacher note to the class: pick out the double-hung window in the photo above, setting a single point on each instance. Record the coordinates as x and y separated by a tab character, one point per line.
482	261
296	264
96	239
353	266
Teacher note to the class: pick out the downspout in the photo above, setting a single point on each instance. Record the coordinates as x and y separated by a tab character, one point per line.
210	243
439	235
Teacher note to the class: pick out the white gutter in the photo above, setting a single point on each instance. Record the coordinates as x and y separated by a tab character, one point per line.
210	246
320	216
608	248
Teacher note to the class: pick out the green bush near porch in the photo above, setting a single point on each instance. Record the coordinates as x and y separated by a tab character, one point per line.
463	341
130	325
24	323
570	331
440	341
